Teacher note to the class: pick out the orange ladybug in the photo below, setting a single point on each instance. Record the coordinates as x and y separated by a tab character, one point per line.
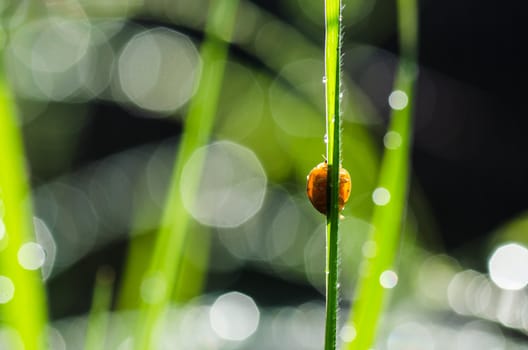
316	187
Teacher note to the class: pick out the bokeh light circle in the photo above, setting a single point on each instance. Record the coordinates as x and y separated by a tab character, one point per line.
369	249
508	266
42	56
59	44
388	279
153	288
398	100
234	316
158	69
2	229
10	338
381	196
348	333
392	140
31	256
410	336
479	335
7	289
232	185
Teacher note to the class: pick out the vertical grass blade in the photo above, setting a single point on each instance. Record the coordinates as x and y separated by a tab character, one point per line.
101	303
333	156
166	260
22	295
393	186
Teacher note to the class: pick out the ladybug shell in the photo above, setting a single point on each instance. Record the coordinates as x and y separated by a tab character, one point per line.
316	187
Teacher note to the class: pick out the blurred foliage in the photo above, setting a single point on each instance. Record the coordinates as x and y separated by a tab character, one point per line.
21	288
133	63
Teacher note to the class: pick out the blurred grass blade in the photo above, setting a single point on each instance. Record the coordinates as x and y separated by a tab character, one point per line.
165	265
393	186
387	225
22	295
194	265
333	156
101	303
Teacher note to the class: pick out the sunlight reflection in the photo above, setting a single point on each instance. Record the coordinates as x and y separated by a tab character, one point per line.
2	229
347	333
398	100
456	291
153	288
433	280
31	256
55	339
381	196
234	316
410	336
388	279
508	266
158	69
7	289
232	186
47	244
10	338
392	140
479	335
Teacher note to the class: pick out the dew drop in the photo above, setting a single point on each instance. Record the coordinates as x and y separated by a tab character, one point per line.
324	79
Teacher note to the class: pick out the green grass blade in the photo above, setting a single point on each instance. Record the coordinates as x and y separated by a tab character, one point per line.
387	218
26	311
386	223
166	260
101	303
333	154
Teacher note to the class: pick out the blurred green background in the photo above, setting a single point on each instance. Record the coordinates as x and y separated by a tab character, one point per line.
102	88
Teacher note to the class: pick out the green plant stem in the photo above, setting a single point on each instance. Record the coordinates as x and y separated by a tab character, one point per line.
26	312
101	303
166	260
387	219
333	154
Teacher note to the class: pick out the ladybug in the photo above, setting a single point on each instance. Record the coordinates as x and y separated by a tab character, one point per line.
316	187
